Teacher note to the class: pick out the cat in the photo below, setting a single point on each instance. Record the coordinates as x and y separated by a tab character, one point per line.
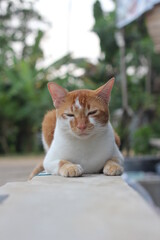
78	136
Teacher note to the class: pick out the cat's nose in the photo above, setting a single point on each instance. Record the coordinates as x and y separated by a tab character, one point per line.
81	126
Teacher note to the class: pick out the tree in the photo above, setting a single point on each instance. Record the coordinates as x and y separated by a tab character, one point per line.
22	95
142	66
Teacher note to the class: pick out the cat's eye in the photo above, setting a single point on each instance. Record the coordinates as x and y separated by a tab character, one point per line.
69	114
92	112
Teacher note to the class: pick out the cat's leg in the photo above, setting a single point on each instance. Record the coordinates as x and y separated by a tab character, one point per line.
60	166
113	166
63	168
68	169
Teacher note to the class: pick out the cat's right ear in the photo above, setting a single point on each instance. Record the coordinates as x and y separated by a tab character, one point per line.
57	93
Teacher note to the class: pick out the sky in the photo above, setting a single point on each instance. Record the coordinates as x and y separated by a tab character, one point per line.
70	31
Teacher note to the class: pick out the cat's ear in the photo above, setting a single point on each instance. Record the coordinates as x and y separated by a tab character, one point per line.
57	93
104	91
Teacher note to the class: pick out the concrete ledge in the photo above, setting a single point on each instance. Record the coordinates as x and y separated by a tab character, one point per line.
93	207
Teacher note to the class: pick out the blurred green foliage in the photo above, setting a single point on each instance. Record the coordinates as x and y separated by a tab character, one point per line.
24	97
143	75
142	138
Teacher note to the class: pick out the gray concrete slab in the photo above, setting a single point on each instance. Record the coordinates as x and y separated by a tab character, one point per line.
92	207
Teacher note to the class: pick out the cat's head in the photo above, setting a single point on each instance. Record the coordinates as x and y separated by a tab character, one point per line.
82	113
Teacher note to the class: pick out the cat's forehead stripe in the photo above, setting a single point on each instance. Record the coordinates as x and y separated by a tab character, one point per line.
77	103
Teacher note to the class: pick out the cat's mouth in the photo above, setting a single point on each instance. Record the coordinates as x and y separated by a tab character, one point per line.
83	134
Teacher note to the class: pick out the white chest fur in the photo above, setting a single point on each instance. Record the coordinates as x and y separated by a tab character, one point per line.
91	153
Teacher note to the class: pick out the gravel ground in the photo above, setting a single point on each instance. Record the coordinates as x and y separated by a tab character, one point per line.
17	168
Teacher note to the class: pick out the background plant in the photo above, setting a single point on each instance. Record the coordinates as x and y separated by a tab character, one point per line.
24	98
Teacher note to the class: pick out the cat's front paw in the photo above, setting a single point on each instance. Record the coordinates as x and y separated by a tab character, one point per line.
112	168
70	170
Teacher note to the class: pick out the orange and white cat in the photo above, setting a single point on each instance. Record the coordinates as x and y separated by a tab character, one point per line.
78	136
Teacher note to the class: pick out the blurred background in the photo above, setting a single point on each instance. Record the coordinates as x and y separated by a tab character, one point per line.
81	44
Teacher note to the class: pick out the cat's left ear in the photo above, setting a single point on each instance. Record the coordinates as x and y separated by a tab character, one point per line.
104	91
57	93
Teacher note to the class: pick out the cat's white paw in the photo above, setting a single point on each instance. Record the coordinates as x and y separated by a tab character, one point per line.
112	169
71	170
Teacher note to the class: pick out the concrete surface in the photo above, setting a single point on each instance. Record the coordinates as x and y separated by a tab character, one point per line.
93	207
17	168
